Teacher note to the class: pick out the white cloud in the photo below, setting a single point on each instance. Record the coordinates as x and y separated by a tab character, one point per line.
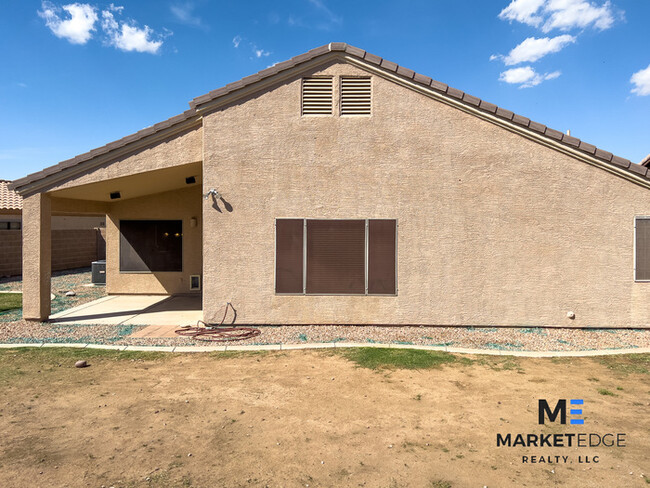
526	76
534	49
641	81
569	14
524	11
560	14
329	15
78	28
125	35
257	52
184	13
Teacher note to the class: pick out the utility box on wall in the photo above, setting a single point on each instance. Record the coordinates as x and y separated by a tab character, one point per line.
99	272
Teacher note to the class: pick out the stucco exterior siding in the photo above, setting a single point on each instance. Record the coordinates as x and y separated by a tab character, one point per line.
182	205
494	228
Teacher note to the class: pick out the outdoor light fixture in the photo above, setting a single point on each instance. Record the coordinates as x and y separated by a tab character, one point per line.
115	195
193	222
214	193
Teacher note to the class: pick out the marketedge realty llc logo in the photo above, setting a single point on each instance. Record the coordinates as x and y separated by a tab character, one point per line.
554	414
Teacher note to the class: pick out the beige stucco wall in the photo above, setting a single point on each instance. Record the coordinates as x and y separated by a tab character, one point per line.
494	229
174	205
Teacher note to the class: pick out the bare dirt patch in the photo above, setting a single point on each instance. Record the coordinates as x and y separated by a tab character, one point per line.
309	418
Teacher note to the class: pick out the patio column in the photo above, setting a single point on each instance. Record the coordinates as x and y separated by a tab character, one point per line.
37	256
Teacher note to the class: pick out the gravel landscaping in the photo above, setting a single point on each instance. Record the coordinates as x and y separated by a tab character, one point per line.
15	330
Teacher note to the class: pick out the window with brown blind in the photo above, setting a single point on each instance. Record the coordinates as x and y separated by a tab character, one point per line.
336	257
289	255
642	249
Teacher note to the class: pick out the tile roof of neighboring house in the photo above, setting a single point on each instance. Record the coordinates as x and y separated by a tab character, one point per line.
9	199
645	161
198	103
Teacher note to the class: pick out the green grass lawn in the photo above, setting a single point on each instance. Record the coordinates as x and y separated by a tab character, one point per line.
10	301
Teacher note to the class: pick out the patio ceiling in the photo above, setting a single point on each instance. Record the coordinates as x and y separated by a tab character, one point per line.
136	185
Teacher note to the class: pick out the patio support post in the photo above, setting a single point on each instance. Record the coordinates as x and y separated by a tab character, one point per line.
37	256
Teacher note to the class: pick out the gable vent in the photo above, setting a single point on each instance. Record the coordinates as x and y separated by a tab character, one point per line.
317	96
355	96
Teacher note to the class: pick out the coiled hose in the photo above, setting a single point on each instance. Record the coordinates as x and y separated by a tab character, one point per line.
217	333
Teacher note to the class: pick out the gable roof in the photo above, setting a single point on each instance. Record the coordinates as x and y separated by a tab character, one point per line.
459	98
9	199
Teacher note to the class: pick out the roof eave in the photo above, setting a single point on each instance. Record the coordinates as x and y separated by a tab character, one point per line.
64	170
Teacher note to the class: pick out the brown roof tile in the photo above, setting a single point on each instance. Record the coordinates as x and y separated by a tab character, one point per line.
488	107
455	93
408	73
437	85
459	95
604	155
471	99
355	51
570	140
9	199
637	168
372	58
588	148
506	114
537	127
424	80
518	119
389	65
626	163
554	134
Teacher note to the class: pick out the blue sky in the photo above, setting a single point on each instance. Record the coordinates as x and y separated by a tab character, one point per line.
75	76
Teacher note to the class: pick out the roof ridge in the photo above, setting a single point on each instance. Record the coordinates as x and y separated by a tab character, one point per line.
459	95
342	47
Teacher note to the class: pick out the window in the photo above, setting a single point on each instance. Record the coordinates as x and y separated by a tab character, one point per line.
355	96
151	245
642	248
11	225
335	257
317	96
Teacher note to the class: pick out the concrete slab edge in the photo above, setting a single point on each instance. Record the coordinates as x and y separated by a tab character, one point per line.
337	345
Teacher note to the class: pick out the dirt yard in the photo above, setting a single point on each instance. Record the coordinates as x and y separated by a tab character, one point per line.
311	419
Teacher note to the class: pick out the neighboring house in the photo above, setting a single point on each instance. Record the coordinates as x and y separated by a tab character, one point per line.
645	161
342	188
76	240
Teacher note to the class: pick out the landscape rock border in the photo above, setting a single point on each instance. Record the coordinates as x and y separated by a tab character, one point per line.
336	345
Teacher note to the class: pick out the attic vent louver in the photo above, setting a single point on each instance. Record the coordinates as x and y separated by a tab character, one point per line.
355	96
317	96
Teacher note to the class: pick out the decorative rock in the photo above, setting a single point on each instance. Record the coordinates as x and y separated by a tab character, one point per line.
81	364
70	294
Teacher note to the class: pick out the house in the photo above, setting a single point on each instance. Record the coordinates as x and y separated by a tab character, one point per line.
77	241
645	161
341	188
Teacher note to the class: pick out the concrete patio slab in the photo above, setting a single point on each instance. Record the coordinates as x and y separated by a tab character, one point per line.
174	311
134	310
